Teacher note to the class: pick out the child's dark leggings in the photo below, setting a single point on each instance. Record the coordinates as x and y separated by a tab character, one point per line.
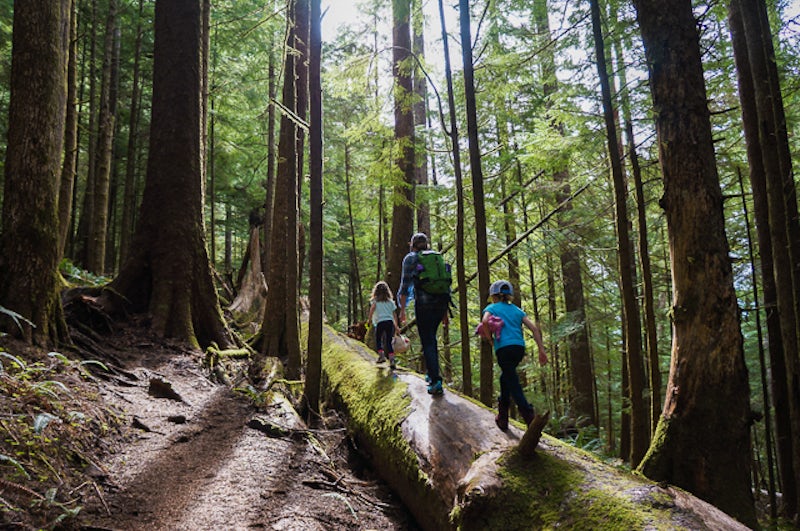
508	358
384	331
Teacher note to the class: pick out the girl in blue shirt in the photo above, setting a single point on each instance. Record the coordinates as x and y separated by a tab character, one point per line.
382	316
509	348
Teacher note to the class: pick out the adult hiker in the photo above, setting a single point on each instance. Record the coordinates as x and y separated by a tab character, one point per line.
426	279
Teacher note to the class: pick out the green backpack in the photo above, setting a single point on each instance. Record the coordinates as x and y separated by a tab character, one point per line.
433	274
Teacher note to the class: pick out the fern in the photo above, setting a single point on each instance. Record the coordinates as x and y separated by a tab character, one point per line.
16	464
16	317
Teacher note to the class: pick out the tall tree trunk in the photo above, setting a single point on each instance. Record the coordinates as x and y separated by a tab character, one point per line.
481	243
98	220
301	39
758	183
640	422
167	272
279	331
461	274
210	162
84	223
421	199
581	374
509	216
358	303
29	242
129	204
69	165
228	251
773	504
647	284
402	213
315	294
269	201
782	212
705	451
205	94
651	337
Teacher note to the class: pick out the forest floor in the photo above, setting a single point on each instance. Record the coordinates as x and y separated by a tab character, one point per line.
189	453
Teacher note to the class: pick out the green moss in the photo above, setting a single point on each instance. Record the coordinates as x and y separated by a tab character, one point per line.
654	465
374	400
543	492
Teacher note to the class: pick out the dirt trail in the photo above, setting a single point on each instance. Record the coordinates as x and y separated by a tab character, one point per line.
192	461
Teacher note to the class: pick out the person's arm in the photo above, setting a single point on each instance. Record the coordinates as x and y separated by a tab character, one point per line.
402	292
485	332
371	311
401	305
394	319
537	336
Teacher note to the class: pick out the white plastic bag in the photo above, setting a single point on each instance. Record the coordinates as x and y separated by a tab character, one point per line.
400	343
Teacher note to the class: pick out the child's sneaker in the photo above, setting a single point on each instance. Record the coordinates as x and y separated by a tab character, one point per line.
381	356
392	361
436	388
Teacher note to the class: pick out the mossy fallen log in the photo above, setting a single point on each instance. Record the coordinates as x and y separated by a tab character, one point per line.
453	469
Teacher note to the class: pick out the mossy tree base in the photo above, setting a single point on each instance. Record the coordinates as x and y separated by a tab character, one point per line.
453	468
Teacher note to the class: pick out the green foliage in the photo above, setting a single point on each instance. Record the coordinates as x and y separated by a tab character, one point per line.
50	427
15	317
80	277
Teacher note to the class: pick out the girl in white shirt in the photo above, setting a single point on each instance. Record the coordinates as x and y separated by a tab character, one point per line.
382	315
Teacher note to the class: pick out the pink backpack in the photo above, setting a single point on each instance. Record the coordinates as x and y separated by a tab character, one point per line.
493	327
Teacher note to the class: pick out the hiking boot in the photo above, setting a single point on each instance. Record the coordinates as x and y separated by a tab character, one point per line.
381	357
392	361
436	388
502	414
527	415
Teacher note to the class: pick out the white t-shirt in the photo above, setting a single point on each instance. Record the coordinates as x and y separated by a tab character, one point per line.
384	310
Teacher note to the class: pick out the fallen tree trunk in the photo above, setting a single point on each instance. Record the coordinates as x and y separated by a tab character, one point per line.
453	468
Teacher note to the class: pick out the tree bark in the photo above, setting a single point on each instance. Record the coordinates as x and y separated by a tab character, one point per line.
758	183
98	222
453	469
481	242
582	396
29	243
706	451
358	301
315	290
420	110
301	38
647	285
129	204
69	165
252	291
279	336
168	272
269	200
782	212
461	274
651	337
402	213
640	425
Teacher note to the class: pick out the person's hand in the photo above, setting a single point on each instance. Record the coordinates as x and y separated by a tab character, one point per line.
402	315
542	357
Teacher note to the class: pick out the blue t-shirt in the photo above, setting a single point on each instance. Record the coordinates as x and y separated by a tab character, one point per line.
384	310
512	315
